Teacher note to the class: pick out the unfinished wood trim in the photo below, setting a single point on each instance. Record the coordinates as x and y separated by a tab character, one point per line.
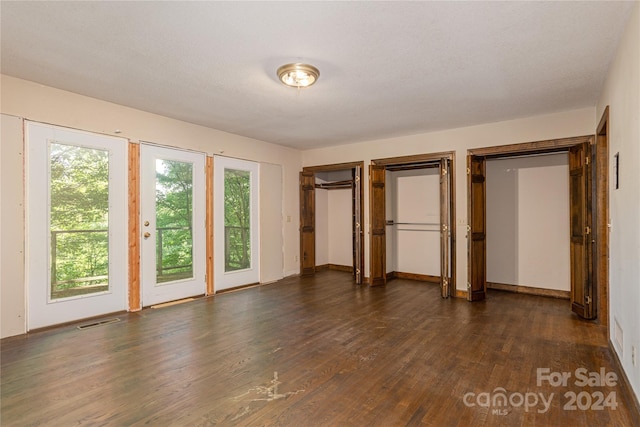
415	158
529	290
535	147
134	226
333	167
209	225
602	219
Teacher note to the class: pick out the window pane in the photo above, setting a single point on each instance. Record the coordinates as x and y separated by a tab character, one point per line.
174	202
79	220
237	215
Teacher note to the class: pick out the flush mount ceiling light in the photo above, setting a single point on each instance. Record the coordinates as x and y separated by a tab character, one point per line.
298	75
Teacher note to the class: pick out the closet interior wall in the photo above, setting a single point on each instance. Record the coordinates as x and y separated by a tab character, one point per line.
527	210
413	223
334	246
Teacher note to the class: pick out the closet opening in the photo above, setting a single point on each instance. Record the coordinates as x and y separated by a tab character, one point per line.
565	176
331	219
412	207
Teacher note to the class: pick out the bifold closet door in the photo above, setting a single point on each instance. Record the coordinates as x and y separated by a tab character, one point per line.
445	227
377	211
307	223
582	295
476	229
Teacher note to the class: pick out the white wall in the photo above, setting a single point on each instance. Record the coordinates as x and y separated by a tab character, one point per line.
415	199
528	221
340	227
622	93
544	127
36	102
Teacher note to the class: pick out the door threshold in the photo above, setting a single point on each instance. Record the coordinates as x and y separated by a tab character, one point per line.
170	303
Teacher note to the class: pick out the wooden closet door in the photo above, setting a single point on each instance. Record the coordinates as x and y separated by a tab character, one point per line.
476	229
582	295
445	225
358	255
307	224
378	250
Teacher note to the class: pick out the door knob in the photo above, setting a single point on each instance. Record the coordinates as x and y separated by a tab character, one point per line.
146	235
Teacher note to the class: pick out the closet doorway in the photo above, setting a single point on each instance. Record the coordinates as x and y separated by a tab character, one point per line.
582	195
426	182
331	219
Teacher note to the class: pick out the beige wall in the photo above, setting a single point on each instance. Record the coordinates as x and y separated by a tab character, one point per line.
23	99
551	126
12	284
622	94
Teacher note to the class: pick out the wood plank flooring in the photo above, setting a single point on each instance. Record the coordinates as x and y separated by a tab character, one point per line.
317	351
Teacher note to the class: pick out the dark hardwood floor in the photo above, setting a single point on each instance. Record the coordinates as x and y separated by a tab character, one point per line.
317	352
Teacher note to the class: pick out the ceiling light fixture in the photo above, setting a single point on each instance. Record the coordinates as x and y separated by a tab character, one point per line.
298	75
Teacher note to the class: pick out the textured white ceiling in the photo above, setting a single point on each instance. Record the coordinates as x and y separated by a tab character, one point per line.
387	68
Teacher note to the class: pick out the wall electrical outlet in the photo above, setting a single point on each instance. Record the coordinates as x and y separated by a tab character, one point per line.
633	355
295	258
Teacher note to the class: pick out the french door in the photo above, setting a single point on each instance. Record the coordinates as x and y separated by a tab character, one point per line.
172	192
76	224
236	222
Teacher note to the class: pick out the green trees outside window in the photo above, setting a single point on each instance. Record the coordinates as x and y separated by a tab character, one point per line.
79	220
237	215
174	216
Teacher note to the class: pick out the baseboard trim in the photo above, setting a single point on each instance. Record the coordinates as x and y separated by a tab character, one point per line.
337	267
413	276
529	290
626	386
462	294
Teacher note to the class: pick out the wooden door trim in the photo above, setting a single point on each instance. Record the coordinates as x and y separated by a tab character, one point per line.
337	167
563	145
333	167
601	220
413	159
526	148
134	227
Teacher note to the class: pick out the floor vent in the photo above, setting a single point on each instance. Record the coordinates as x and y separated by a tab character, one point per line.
99	323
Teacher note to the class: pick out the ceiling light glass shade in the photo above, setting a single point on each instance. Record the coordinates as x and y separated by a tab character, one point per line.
298	75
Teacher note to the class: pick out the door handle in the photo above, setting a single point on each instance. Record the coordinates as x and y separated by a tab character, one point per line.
146	235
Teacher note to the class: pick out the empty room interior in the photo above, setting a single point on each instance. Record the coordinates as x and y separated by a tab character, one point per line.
320	213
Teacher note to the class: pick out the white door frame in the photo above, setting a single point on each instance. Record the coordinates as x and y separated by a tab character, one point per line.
41	310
